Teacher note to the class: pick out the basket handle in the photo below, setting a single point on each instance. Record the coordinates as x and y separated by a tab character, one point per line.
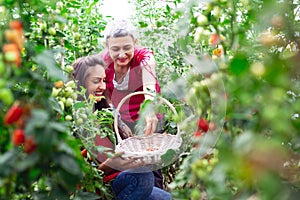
119	139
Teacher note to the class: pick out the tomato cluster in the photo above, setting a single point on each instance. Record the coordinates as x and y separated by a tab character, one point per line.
203	167
12	50
17	115
65	95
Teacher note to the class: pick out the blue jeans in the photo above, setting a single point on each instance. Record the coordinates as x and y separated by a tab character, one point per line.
138	186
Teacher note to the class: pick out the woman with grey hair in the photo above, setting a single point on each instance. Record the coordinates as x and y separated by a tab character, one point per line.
130	68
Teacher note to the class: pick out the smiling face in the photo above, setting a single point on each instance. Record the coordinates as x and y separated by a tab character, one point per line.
121	49
95	82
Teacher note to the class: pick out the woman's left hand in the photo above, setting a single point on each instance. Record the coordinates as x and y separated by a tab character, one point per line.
121	164
151	123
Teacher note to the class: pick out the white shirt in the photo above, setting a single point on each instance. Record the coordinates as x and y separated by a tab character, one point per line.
124	84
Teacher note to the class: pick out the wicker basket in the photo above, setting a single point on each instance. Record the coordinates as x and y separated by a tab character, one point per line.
147	149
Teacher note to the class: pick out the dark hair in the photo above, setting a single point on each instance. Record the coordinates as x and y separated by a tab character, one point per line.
81	66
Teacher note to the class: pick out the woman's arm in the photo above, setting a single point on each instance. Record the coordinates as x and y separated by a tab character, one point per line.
149	76
120	164
149	85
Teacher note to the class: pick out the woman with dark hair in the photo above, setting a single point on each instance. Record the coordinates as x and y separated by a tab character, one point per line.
89	72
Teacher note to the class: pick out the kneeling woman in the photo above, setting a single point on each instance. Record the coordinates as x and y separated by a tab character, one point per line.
89	72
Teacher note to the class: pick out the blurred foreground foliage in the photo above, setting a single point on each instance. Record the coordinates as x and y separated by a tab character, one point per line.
237	66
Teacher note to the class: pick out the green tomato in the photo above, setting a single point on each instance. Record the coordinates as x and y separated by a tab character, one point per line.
201	173
79	121
202	20
258	69
83	116
2	83
62	99
68	92
62	105
44	26
214	161
205	162
69	69
195	194
10	56
62	26
209	168
76	36
52	31
74	28
55	92
71	84
6	96
74	95
68	118
69	102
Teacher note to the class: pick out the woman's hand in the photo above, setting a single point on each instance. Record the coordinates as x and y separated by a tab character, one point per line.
121	164
151	123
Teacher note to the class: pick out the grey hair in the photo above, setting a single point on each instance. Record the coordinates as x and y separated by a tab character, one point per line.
119	28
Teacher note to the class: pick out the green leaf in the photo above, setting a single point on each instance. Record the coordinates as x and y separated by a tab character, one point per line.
68	163
91	6
6	157
46	59
30	161
102	149
143	24
7	161
239	65
168	8
38	119
65	148
34	173
169	156
67	179
54	104
145	104
57	126
80	104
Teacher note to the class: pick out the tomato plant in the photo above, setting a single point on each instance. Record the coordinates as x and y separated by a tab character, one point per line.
40	157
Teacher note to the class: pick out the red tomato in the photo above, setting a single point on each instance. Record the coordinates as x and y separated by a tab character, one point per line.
198	133
84	153
16	24
29	145
13	114
18	137
203	125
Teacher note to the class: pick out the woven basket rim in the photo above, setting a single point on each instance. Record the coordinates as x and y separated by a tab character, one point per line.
149	157
119	139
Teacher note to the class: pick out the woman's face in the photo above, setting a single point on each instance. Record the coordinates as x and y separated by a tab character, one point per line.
95	82
121	49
